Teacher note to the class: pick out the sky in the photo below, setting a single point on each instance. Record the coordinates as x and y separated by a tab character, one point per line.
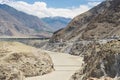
62	3
52	8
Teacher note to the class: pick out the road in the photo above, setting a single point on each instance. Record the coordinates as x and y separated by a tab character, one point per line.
65	66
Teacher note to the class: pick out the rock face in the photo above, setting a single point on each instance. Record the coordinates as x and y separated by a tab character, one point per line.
102	21
101	60
18	61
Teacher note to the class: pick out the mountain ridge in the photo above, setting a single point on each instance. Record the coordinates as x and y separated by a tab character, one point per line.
91	25
21	23
57	22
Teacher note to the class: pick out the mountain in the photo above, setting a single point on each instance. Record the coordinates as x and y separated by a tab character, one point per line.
56	22
89	35
102	21
17	23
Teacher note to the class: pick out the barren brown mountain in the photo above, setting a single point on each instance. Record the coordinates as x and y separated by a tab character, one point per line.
102	21
17	23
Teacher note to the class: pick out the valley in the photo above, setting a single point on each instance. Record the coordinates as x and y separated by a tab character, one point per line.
86	47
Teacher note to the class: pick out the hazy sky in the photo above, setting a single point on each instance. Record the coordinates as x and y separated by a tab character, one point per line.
51	8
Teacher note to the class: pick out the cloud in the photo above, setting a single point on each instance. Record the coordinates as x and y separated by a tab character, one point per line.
41	10
4	1
93	3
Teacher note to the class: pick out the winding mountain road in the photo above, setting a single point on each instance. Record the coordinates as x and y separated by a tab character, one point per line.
65	66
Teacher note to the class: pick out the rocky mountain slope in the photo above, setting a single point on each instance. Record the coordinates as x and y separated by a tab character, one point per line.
89	35
101	62
16	23
56	22
18	61
102	21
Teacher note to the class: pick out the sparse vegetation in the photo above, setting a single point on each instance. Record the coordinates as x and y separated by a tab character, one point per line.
27	61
